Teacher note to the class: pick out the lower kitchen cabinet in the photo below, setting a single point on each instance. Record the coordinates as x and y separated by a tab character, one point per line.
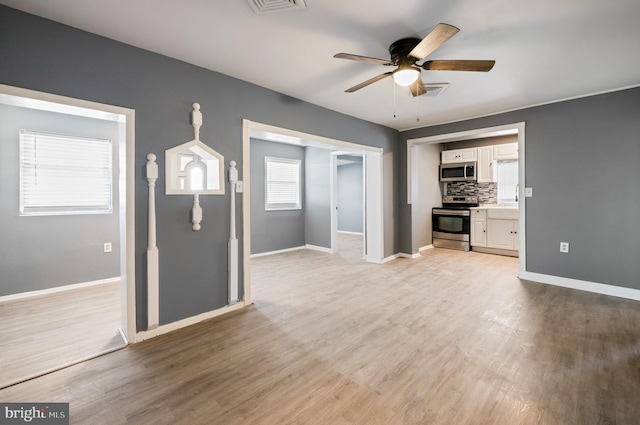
478	227
502	234
494	231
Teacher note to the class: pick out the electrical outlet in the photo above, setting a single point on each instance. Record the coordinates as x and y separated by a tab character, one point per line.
564	247
107	247
528	192
239	186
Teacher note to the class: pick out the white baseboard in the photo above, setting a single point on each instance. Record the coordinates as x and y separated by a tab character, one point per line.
405	255
319	248
174	326
398	255
279	251
30	294
582	285
346	232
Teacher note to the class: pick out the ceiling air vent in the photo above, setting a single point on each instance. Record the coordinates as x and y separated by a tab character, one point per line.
435	89
262	7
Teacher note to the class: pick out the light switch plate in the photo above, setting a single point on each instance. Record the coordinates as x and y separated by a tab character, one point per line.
240	186
528	192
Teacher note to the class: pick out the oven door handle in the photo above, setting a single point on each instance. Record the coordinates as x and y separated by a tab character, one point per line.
451	212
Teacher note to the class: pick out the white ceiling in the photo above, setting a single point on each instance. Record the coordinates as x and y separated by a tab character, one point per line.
545	50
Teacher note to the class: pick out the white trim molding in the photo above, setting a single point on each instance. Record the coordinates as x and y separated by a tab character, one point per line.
319	248
31	294
582	285
279	251
174	326
424	248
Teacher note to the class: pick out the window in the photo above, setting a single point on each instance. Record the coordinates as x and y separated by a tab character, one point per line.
282	177
507	182
64	174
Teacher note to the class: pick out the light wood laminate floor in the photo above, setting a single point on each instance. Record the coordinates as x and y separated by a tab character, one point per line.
43	333
450	338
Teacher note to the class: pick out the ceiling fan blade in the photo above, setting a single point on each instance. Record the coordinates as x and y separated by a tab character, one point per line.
369	81
433	40
362	58
459	65
417	88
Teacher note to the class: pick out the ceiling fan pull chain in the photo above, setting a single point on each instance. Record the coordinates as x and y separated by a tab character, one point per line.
417	102
394	98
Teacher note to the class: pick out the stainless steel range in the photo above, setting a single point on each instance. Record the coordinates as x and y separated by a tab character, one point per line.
452	222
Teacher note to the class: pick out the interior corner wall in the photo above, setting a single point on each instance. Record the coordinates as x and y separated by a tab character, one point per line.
317	208
47	251
46	56
274	230
426	194
582	160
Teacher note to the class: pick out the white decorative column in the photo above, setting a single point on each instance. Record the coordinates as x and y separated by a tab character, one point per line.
233	241
196	213
153	300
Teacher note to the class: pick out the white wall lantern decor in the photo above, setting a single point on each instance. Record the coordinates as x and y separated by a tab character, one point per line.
193	168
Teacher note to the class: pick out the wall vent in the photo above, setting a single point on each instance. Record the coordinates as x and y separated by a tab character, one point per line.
435	89
262	7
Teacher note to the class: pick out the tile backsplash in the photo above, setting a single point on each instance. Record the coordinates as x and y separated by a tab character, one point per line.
487	192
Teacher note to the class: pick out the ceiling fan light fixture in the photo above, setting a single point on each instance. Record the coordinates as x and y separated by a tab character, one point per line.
405	76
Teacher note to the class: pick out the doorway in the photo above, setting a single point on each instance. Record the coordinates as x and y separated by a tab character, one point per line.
518	129
66	293
372	160
348	203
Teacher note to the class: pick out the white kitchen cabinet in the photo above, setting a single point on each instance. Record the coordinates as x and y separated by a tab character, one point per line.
478	227
485	164
505	151
459	155
502	234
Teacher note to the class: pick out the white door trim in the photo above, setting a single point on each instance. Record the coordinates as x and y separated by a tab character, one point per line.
48	101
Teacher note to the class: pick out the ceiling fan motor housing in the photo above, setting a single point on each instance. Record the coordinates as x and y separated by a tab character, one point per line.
399	51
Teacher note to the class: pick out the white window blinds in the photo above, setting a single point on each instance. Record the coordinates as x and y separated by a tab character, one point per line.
64	174
507	181
282	184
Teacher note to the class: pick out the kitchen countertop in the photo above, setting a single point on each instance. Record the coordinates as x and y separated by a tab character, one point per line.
497	211
487	206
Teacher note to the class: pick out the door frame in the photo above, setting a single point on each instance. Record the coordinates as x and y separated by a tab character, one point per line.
334	202
372	155
126	151
501	130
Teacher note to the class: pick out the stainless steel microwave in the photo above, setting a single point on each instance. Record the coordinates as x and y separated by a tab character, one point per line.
458	172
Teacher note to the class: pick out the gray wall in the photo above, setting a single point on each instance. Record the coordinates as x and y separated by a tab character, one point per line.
582	160
42	55
350	197
317	210
273	230
43	252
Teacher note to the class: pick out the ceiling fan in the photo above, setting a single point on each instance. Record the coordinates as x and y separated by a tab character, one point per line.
407	51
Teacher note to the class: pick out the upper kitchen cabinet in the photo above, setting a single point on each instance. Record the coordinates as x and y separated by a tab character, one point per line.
485	164
460	155
505	151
